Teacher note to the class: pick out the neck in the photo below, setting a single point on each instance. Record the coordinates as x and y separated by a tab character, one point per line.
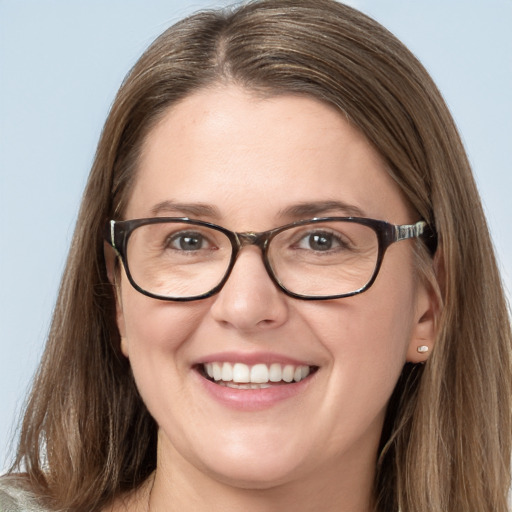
179	486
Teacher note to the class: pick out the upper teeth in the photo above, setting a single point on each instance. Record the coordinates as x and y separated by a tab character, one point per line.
257	374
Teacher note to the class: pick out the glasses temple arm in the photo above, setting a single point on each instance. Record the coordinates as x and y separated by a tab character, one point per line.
406	231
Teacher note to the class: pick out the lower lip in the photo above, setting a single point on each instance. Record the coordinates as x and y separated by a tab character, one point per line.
254	399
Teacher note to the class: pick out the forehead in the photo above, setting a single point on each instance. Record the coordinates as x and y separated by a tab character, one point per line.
238	152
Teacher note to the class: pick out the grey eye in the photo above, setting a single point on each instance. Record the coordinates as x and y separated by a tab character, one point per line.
188	241
319	241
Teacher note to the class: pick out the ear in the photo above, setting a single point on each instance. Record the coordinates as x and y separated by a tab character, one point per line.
425	323
429	304
113	274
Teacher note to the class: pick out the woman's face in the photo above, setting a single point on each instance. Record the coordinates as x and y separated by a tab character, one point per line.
226	156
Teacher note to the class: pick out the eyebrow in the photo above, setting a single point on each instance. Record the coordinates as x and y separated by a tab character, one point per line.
303	210
186	209
321	208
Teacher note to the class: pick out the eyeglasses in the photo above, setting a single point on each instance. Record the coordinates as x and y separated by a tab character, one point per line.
180	259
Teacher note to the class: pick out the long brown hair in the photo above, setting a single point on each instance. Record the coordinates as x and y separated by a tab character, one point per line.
87	436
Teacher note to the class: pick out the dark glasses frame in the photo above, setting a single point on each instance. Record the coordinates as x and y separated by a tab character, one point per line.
117	233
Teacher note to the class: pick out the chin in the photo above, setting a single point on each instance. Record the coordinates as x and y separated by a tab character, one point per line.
253	478
247	468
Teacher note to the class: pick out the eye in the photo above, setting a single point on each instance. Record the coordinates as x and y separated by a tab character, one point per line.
188	241
320	241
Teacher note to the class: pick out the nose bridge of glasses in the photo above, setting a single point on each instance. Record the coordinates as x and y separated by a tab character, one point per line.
261	241
252	238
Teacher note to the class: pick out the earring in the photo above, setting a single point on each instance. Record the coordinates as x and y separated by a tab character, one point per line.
422	349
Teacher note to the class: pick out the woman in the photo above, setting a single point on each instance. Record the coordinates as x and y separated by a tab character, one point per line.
281	291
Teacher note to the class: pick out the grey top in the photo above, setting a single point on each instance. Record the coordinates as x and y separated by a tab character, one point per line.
16	499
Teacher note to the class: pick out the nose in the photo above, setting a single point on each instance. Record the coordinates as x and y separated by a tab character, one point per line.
250	300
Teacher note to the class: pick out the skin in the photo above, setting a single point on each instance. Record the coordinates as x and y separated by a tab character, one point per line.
249	158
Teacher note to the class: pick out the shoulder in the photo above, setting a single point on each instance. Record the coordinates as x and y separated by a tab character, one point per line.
14	498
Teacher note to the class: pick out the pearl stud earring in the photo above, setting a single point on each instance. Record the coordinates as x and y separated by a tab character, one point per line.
422	349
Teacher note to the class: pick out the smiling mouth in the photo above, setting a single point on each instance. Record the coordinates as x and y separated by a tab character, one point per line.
258	376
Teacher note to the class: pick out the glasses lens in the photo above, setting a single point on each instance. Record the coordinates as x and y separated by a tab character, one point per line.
177	259
325	258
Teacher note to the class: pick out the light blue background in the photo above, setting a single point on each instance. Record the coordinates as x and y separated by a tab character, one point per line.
61	63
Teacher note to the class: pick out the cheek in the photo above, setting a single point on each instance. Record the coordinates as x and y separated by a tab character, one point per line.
156	335
387	310
367	337
152	329
365	324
